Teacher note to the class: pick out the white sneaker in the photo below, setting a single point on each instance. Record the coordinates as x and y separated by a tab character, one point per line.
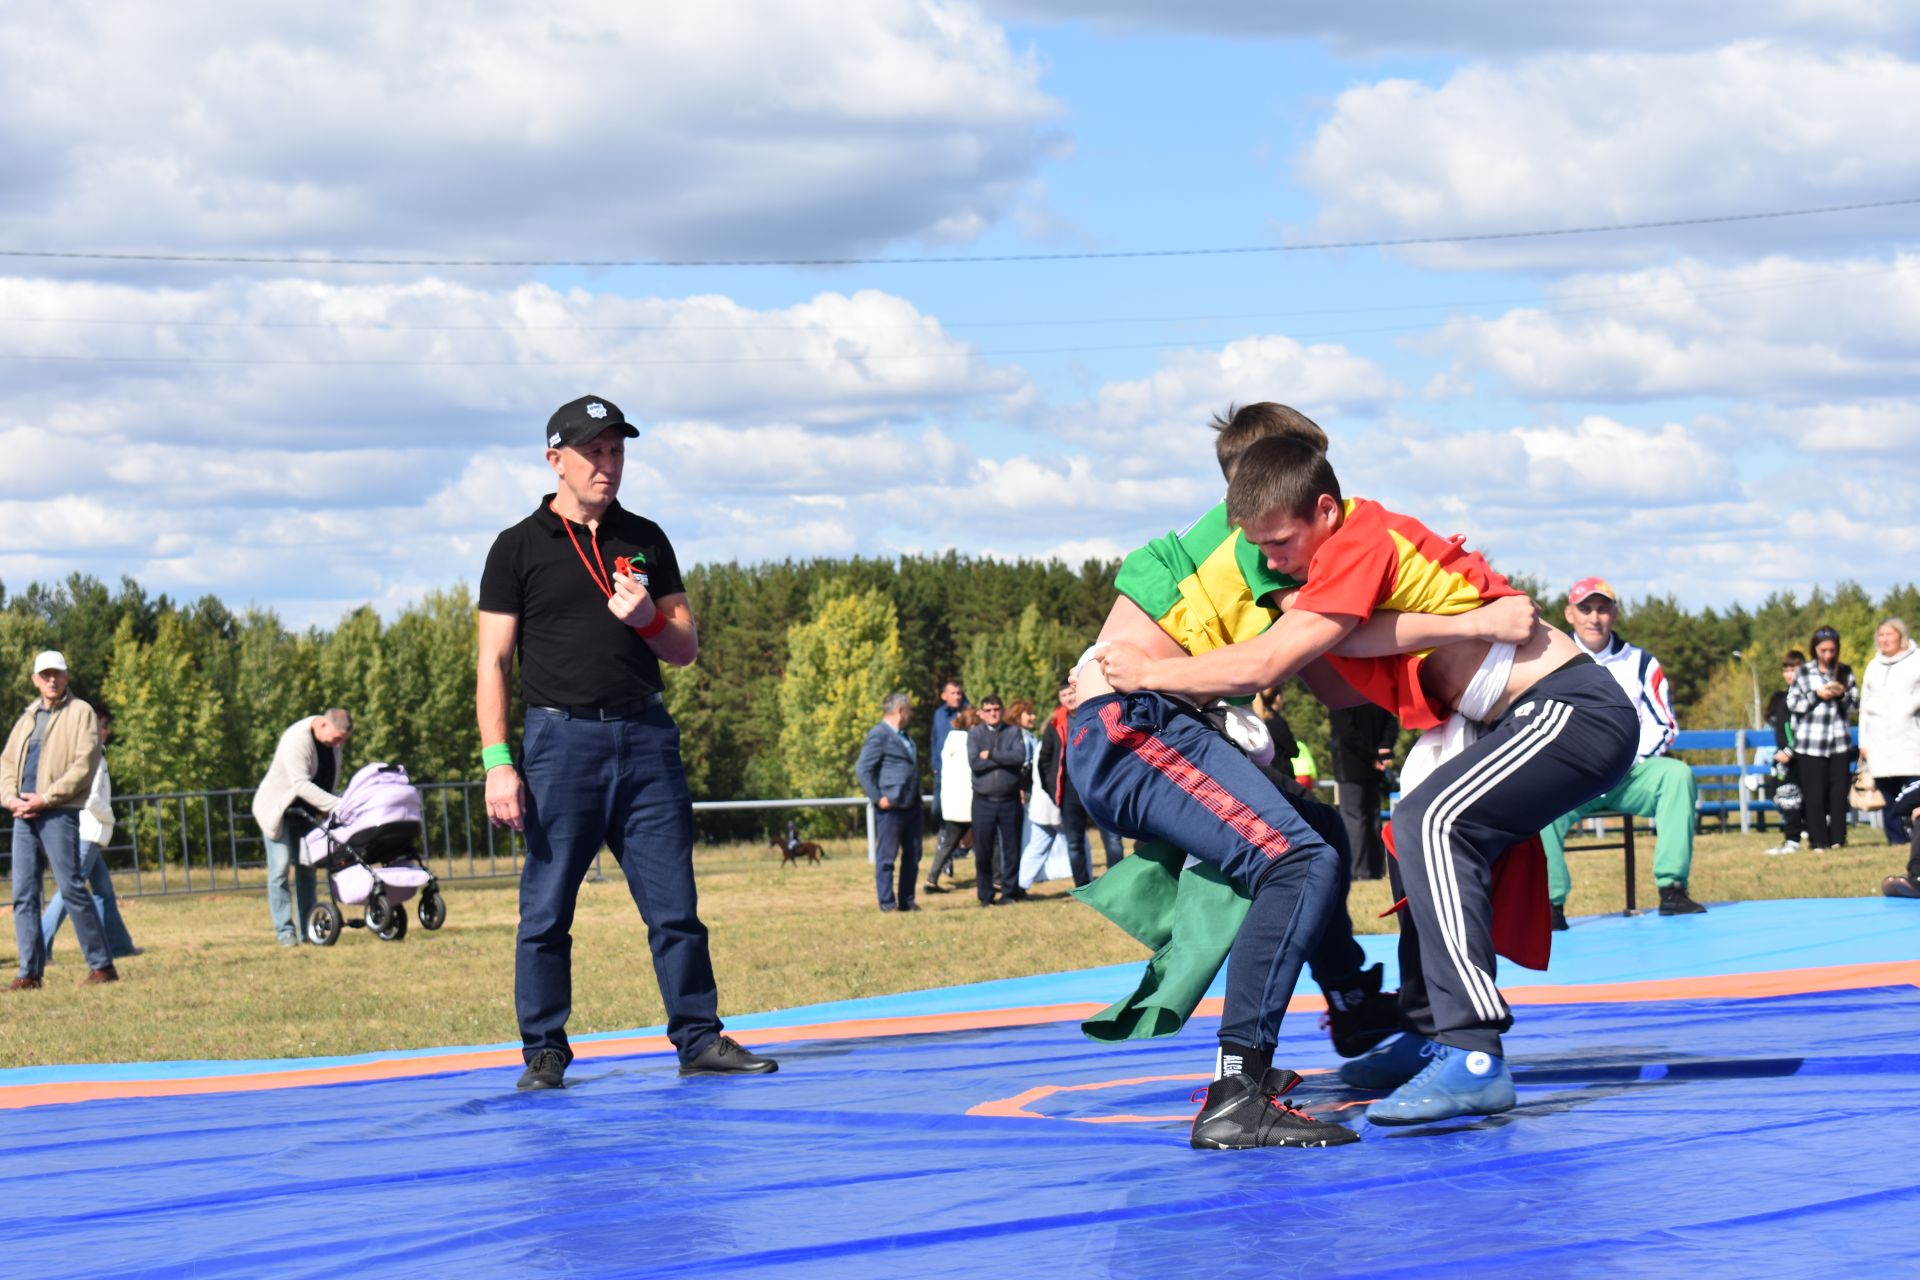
1790	846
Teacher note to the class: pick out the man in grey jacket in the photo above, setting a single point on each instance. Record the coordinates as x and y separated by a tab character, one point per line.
46	769
998	753
306	768
889	772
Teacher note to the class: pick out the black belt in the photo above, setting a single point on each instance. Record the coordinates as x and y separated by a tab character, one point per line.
625	711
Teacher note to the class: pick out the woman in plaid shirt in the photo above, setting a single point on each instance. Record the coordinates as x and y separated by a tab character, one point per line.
1822	699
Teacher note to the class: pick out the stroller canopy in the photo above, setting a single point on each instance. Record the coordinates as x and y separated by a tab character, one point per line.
378	799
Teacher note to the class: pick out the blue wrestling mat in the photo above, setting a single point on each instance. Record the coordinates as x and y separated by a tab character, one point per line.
1723	1095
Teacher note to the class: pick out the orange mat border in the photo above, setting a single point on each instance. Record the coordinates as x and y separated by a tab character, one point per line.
1739	986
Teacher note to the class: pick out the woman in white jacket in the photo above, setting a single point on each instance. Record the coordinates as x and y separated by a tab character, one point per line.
1890	718
956	798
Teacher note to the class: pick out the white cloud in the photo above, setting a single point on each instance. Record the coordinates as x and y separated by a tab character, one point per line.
1578	139
1166	414
507	127
433	362
1868	428
1770	329
1495	26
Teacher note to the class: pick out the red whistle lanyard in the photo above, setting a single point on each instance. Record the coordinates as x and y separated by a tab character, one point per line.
602	580
594	568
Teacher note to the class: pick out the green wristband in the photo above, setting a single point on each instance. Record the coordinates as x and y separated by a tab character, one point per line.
496	755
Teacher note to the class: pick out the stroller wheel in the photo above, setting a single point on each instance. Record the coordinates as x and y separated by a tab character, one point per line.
378	909
433	908
396	926
324	923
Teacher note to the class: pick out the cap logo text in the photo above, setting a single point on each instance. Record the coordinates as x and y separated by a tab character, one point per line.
596	410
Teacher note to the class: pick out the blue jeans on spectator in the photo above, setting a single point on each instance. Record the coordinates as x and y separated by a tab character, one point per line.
618	784
54	835
93	869
288	909
1110	843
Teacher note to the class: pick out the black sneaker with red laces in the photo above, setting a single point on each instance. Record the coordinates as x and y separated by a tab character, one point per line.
1241	1112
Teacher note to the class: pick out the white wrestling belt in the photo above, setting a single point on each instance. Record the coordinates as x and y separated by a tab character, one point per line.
1441	744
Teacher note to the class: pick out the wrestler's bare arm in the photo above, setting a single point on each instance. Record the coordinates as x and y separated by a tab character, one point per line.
1506	620
1237	669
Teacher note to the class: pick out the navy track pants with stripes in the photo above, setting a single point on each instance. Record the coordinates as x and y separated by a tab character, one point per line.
1568	739
1149	767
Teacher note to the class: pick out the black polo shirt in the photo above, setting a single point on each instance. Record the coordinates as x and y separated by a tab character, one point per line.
573	652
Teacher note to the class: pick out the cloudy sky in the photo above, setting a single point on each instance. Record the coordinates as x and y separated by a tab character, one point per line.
1716	410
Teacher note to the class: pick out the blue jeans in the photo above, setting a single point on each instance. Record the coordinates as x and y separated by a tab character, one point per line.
617	784
289	910
93	869
54	835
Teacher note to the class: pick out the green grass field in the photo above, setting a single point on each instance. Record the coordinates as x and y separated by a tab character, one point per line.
212	983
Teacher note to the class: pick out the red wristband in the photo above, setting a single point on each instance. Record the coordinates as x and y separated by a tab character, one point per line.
655	627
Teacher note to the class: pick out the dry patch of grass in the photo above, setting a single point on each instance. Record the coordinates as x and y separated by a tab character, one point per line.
213	984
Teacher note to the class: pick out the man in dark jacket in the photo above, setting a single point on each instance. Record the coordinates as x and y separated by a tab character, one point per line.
998	753
889	772
1053	777
1362	752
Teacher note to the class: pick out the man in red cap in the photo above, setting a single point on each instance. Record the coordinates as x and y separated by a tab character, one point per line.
1658	786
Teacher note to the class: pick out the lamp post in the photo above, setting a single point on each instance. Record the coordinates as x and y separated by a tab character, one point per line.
1754	680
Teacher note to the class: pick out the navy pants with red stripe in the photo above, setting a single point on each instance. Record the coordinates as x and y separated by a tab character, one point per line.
1149	767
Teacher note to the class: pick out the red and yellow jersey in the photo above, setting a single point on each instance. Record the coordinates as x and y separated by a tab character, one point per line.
1379	559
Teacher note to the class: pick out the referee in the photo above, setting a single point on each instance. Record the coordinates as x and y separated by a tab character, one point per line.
590	596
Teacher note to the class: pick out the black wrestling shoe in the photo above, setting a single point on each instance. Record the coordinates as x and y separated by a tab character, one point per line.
1559	918
1675	902
1240	1113
546	1070
725	1057
1359	1018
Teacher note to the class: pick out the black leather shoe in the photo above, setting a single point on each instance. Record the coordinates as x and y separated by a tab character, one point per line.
547	1069
725	1057
1559	918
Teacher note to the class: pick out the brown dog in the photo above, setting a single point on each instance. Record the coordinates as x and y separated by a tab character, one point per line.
805	849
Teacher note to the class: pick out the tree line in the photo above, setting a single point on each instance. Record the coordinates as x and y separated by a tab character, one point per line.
794	659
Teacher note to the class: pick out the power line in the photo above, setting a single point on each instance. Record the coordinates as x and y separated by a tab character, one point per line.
958	259
1576	304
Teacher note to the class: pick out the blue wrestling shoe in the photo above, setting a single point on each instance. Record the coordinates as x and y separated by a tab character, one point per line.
1391	1065
1456	1082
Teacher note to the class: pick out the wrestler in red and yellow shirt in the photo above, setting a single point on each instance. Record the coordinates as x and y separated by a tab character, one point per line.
1379	559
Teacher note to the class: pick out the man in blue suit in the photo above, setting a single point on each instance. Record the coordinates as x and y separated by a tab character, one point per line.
889	773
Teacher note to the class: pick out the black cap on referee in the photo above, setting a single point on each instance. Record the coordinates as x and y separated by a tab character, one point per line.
579	421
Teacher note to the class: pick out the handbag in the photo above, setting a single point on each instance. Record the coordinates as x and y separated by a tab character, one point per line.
1863	794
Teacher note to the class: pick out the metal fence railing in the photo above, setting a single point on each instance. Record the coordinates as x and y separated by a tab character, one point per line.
187	842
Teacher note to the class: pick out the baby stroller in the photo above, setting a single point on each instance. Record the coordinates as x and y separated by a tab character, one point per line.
369	846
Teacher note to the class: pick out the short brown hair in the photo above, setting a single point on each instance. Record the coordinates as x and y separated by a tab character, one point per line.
1019	707
1279	474
965	718
1240	427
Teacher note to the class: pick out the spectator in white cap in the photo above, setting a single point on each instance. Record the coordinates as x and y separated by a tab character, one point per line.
1658	786
46	772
